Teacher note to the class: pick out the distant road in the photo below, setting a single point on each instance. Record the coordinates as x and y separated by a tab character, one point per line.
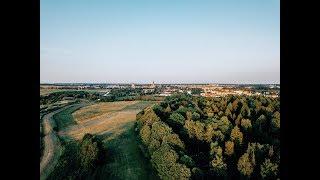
52	146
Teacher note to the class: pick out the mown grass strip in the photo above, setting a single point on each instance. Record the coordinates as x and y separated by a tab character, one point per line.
64	118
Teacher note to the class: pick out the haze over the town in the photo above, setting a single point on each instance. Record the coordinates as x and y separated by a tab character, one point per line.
166	41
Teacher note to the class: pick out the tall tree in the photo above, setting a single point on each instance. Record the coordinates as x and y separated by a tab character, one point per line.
236	135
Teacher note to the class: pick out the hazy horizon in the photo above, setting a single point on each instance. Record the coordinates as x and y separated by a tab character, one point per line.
222	42
55	83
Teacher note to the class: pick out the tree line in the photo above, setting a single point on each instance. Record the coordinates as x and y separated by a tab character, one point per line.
80	159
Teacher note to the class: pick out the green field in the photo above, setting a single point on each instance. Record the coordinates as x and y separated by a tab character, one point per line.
124	159
140	105
64	118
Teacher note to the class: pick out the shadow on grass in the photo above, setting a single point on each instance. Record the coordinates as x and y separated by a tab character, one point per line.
124	157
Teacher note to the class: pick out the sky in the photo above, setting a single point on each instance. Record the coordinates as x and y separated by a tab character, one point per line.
165	41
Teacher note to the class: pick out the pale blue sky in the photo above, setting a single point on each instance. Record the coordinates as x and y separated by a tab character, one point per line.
166	41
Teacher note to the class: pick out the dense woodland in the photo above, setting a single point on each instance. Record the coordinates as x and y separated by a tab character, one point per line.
228	137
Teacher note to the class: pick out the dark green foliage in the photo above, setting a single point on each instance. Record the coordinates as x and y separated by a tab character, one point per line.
79	160
186	160
195	116
213	138
58	96
165	162
269	170
91	151
64	118
224	125
177	119
196	91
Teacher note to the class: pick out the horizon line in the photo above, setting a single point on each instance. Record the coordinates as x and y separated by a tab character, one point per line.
44	83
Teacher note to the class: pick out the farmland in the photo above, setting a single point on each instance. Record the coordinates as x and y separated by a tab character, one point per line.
114	123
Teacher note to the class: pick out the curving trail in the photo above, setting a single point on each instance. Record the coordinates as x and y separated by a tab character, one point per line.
115	122
52	146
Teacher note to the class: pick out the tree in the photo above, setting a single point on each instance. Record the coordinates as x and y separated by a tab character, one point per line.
260	123
145	134
153	145
245	165
148	117
224	125
168	109
164	160
235	104
269	170
246	124
195	116
238	120
215	109
229	106
245	111
257	105
187	160
215	149
91	151
179	171
158	109
275	122
195	129
219	167
210	131
197	173
182	110
189	115
160	130
173	140
276	115
163	164
229	148
236	135
228	112
218	136
217	164
177	119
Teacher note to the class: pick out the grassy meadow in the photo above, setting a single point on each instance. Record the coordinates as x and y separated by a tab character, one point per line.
114	123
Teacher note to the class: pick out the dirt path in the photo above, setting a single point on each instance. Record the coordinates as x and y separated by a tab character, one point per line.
52	146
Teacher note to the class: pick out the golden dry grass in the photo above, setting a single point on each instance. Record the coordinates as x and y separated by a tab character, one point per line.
104	117
114	121
111	122
93	111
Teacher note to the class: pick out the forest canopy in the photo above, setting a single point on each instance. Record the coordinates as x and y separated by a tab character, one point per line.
221	137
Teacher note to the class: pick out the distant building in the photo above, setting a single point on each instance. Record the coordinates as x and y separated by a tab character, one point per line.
107	93
148	91
153	85
133	86
68	98
165	94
